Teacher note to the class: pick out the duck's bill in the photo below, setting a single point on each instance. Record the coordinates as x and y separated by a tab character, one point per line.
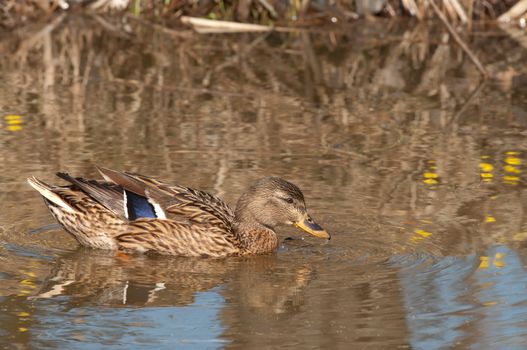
310	226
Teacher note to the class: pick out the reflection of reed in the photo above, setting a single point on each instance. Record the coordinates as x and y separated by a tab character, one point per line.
354	119
364	126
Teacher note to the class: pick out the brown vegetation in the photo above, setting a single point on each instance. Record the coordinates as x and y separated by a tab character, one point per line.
283	12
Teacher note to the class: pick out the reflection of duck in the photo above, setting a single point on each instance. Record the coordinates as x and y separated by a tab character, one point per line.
139	213
264	284
270	289
89	276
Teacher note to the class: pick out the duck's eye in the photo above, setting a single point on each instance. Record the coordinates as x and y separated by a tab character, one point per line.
288	200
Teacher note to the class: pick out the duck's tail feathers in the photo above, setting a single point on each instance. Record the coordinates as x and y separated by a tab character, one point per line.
122	179
47	192
109	195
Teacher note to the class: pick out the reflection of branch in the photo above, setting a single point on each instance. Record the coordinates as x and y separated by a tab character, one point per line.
466	104
311	60
162	29
47	59
458	39
109	26
234	59
35	37
220	178
353	154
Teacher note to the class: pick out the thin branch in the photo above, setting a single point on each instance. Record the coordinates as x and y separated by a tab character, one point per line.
203	25
514	12
458	39
37	36
460	11
269	7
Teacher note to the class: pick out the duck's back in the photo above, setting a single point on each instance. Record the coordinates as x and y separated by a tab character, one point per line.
135	212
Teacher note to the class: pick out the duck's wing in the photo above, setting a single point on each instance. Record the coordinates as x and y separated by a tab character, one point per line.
178	203
110	195
178	238
127	205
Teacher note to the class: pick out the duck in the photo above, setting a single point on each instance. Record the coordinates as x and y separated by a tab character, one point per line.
130	212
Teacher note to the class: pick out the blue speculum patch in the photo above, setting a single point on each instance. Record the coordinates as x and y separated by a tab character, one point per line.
138	207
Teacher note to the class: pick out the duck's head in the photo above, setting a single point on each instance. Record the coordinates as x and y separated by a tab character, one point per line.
273	201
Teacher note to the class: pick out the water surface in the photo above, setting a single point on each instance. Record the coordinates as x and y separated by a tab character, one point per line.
414	165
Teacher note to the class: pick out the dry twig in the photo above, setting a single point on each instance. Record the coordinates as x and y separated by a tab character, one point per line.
202	25
458	39
514	12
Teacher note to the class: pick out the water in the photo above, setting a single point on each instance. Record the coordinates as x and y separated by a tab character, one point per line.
414	166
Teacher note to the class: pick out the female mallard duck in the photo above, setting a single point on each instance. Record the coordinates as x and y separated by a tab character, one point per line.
134	212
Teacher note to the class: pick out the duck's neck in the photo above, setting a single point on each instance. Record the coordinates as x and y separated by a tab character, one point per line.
256	238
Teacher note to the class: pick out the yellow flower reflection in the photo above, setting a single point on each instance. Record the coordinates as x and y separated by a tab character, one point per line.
497	261
511	178
27	285
483	262
486	169
13	122
419	235
512	168
490	218
422	233
430	176
513	161
430	181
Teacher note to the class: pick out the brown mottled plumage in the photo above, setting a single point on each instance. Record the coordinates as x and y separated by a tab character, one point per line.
134	212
